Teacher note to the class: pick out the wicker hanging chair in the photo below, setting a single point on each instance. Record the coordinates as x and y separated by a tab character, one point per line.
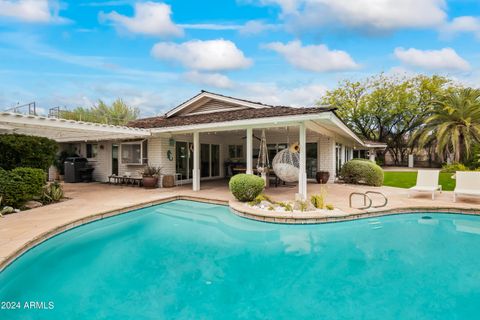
286	164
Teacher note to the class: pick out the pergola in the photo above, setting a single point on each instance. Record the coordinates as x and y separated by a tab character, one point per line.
62	130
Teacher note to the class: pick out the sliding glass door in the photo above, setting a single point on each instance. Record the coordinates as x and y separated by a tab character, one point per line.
209	160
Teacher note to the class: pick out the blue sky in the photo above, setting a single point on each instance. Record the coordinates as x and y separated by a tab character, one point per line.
156	54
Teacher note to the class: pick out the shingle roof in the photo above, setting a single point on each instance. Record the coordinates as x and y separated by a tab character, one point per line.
223	116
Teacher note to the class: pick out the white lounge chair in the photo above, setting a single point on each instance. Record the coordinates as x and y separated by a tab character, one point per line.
467	183
427	181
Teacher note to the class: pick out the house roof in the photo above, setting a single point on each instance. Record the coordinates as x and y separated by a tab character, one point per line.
205	96
223	116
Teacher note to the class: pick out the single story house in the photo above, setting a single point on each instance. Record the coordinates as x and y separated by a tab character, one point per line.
209	136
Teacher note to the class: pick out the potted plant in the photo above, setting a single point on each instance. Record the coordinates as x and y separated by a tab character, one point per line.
150	176
322	177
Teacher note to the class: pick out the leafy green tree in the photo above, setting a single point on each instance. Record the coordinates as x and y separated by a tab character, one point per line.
454	124
387	108
118	113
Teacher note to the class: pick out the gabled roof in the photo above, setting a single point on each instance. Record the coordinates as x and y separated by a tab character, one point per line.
224	116
205	96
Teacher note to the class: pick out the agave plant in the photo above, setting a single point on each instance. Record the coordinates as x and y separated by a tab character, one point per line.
52	193
5	210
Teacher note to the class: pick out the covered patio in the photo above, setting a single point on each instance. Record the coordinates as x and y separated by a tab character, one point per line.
203	154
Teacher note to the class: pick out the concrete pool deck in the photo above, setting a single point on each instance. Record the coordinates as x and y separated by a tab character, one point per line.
93	201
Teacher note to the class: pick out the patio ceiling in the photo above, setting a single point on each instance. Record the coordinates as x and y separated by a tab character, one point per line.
62	130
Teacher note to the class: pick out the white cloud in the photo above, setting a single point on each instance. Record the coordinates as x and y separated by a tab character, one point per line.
32	11
317	58
463	24
255	27
209	79
443	59
209	55
150	18
271	93
376	15
248	28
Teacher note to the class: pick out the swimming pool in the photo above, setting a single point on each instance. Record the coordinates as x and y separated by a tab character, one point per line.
191	260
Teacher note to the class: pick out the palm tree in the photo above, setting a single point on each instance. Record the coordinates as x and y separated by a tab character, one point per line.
454	124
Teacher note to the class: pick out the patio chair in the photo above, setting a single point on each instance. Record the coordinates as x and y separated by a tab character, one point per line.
467	183
427	181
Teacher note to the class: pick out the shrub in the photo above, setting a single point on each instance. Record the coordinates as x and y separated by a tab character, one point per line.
20	185
454	167
52	193
246	187
329	207
362	172
18	150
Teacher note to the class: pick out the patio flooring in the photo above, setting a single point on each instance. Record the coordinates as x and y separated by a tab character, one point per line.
22	230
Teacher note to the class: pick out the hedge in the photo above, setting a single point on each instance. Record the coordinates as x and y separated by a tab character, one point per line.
20	185
18	150
362	172
246	187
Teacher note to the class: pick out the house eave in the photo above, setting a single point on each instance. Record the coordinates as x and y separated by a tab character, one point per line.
213	96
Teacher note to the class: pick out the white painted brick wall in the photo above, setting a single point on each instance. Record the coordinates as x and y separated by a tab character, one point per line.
326	157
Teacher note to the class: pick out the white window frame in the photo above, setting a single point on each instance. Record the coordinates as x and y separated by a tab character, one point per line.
143	145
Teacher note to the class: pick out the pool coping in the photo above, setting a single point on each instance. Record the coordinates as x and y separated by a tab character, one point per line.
237	208
242	210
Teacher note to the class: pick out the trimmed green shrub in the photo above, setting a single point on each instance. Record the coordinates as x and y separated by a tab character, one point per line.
20	185
454	167
362	172
246	187
18	150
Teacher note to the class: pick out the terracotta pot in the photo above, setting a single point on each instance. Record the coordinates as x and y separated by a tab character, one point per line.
150	182
168	181
322	176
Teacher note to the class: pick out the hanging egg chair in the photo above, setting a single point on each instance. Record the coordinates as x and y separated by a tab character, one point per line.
286	163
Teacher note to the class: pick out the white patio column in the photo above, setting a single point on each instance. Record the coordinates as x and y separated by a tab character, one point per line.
249	151
372	155
342	154
302	174
196	162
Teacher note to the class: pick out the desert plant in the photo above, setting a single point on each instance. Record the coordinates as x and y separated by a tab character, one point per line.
303	205
362	172
52	193
151	171
318	200
287	206
261	197
246	187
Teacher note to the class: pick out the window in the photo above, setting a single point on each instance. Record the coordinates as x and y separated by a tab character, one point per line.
235	151
134	153
92	150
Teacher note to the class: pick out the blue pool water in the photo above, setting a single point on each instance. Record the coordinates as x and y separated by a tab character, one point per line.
189	260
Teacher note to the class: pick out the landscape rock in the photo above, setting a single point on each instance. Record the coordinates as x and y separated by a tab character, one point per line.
33	204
